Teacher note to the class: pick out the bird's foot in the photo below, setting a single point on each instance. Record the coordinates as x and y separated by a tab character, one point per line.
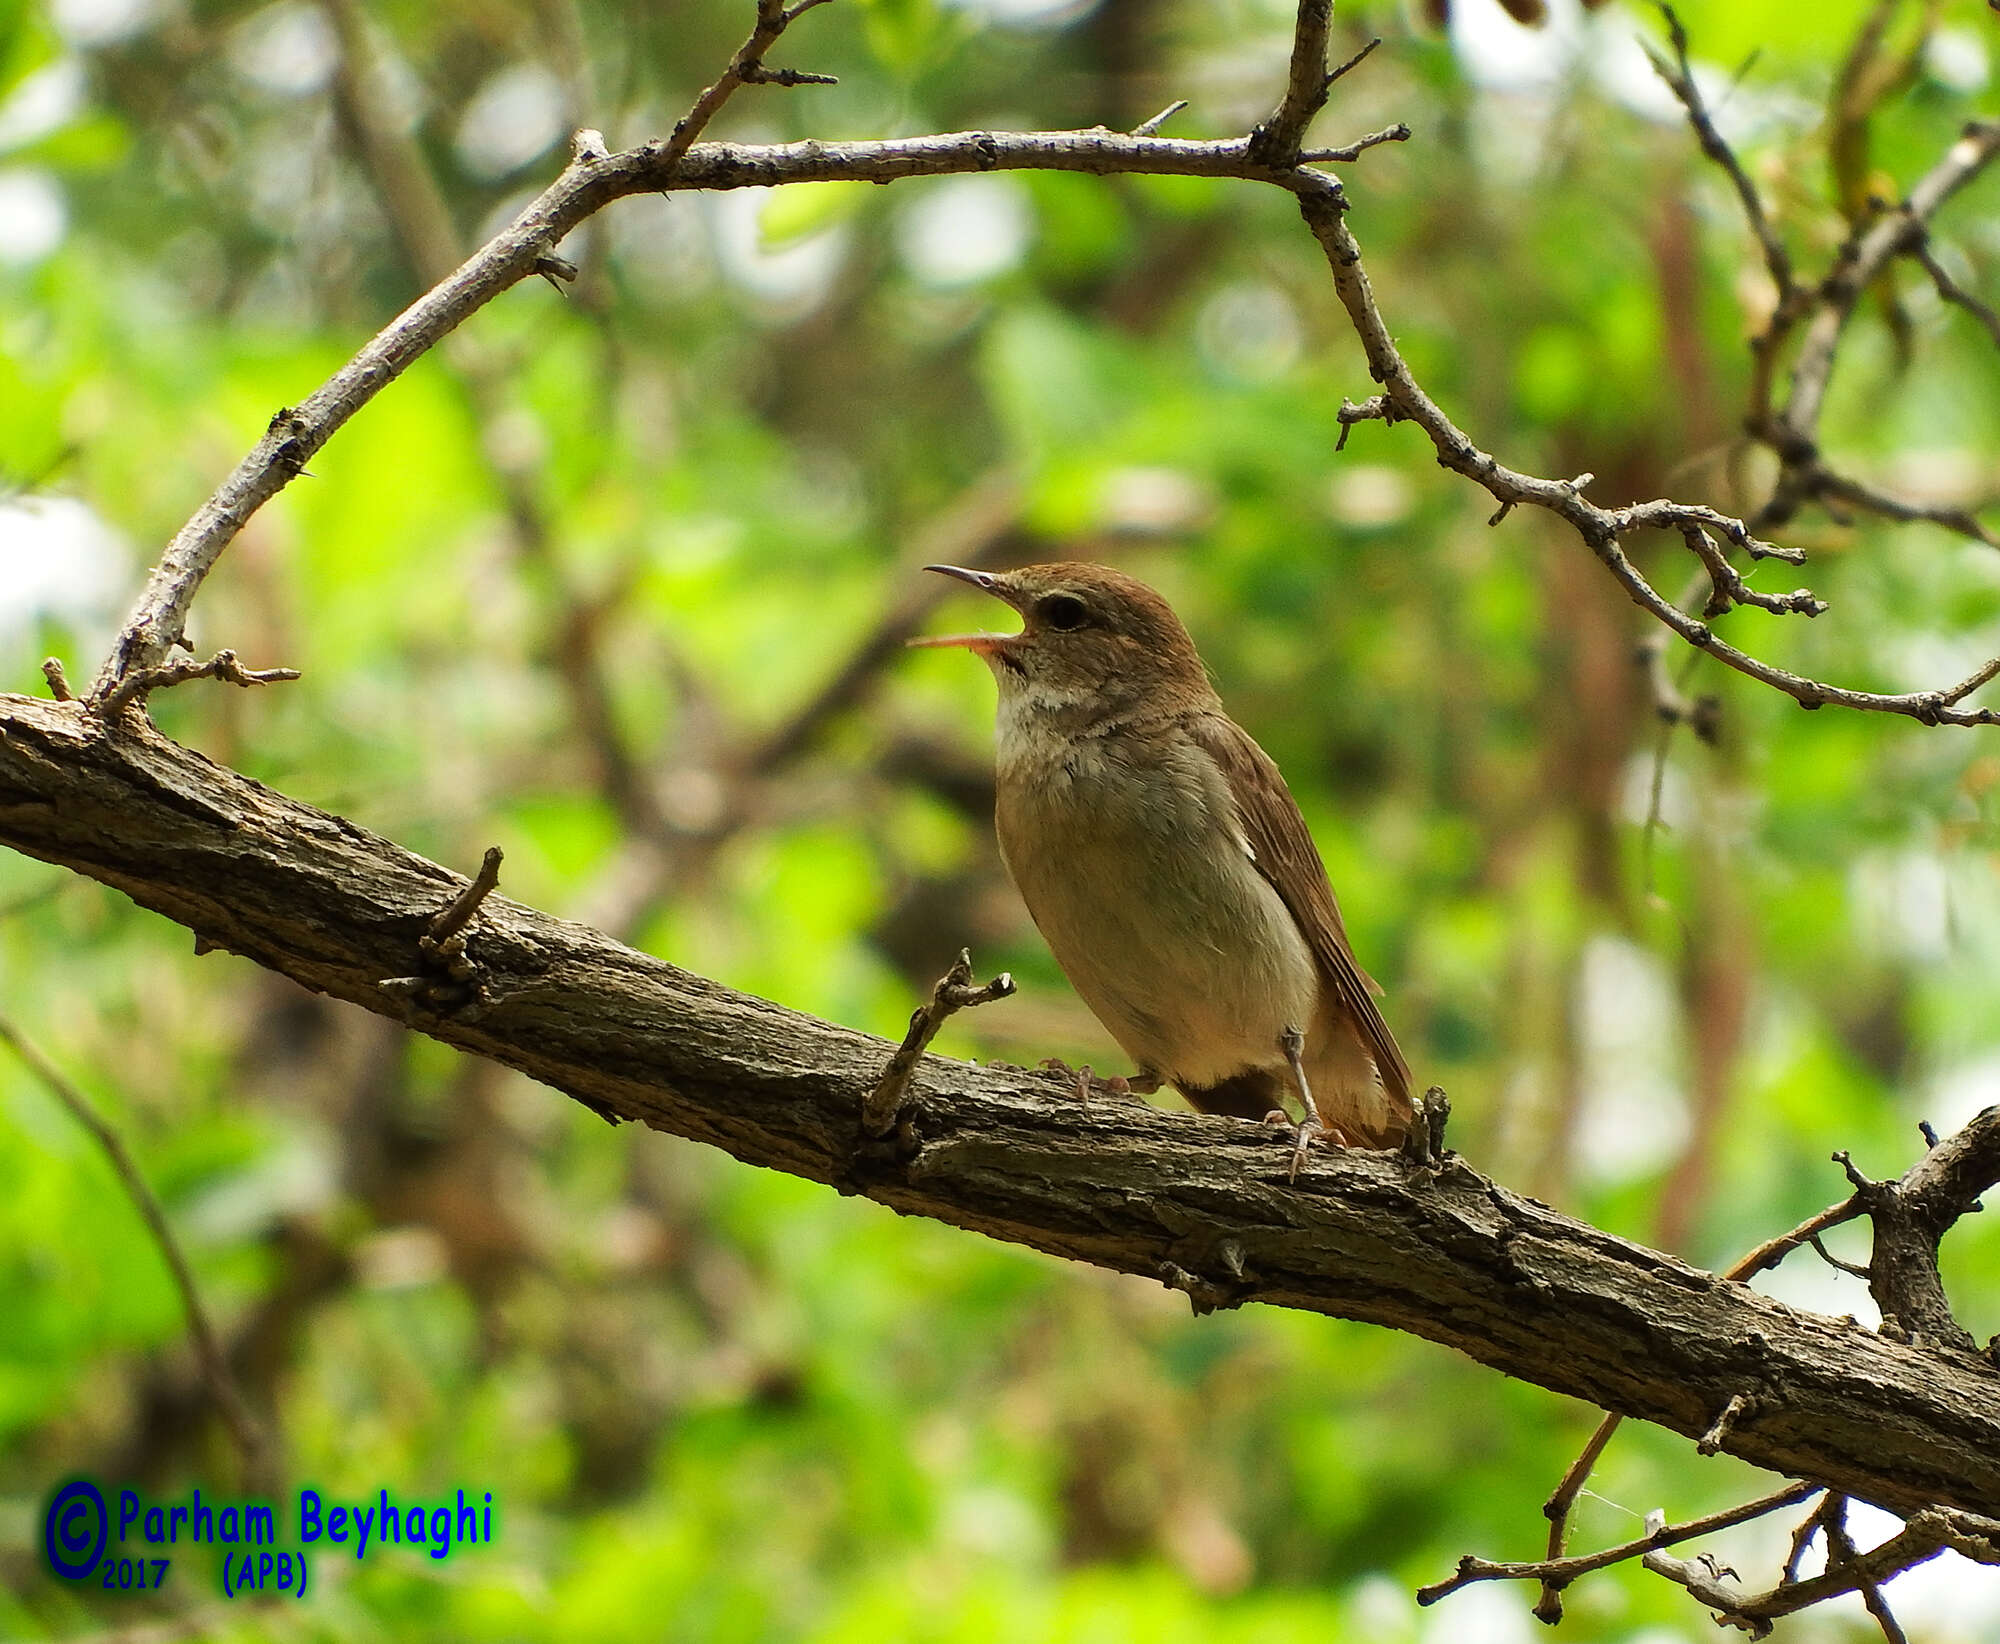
1303	1134
1087	1081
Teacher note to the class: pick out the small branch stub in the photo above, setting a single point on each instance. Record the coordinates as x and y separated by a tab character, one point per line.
560	272
955	991
459	913
450	982
1423	1145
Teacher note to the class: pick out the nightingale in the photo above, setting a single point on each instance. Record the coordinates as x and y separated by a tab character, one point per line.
1167	865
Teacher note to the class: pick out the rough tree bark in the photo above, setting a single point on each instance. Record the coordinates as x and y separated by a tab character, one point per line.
1198	1203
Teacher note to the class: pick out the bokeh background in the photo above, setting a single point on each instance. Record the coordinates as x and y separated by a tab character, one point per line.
615	581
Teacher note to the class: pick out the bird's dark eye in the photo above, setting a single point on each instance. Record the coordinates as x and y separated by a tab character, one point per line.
1063	612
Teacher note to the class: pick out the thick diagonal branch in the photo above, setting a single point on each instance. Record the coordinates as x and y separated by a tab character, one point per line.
1443	1254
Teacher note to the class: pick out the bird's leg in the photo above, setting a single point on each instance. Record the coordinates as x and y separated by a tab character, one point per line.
1293	1044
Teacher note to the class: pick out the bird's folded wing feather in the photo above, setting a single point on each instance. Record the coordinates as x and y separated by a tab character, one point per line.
1285	854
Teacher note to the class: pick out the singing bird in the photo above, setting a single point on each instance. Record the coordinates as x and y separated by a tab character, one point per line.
1167	865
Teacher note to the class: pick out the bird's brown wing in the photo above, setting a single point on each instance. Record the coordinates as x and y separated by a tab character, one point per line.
1287	857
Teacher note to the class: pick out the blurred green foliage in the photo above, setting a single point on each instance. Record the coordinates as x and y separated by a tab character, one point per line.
717	1404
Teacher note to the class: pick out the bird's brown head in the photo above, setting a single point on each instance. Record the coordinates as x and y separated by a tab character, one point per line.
1090	636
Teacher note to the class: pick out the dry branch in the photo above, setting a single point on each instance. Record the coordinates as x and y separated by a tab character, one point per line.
1603	529
1441	1253
591	181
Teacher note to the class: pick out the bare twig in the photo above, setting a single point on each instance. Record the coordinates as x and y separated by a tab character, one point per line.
1823	309
1560	1572
1803	1532
1815	479
1792	431
1672	705
955	991
1727	587
1602	529
1353	62
591	181
1679	76
1852	1269
1952	292
1920	1540
52	671
253	1444
1277	140
1398	133
1772	1251
1562	1500
1841	1552
745	68
223	665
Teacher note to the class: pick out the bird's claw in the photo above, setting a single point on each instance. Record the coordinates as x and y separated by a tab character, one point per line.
1307	1131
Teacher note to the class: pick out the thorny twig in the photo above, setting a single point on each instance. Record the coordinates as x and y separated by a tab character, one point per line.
745	68
223	665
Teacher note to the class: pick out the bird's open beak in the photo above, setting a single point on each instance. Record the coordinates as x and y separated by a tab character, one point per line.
979	644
